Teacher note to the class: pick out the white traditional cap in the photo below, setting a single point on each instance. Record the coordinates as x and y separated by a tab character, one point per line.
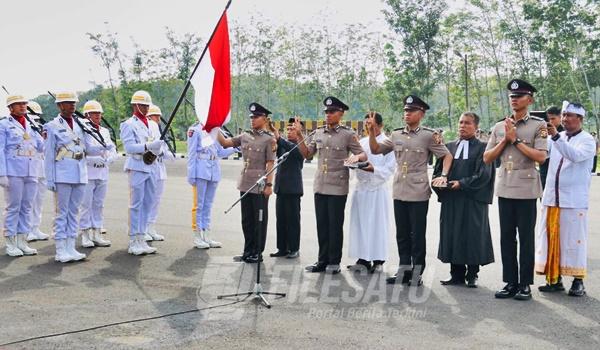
66	96
570	107
154	110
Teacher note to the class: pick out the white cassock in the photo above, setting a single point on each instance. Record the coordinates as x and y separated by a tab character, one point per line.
567	187
370	211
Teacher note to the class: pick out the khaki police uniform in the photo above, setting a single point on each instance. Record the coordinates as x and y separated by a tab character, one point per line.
333	146
257	149
518	187
411	189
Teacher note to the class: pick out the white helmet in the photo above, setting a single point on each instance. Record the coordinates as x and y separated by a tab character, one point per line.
15	99
92	106
154	110
35	107
66	96
141	97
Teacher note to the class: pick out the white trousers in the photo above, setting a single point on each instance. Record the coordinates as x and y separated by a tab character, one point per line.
19	198
92	205
160	188
38	201
142	194
68	199
204	192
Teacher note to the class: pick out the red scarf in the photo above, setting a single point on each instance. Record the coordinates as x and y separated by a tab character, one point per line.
68	120
20	119
141	117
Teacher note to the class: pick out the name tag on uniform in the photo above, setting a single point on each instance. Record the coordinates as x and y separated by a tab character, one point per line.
62	130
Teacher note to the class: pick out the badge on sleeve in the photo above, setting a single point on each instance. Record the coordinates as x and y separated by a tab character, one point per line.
190	132
544	132
437	138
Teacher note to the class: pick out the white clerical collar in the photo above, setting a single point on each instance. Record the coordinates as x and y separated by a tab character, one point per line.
463	146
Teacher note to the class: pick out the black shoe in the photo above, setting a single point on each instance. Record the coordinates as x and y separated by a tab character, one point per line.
361	265
453	281
472	282
524	293
316	267
406	277
278	254
508	291
293	255
240	258
577	288
253	259
551	288
391	280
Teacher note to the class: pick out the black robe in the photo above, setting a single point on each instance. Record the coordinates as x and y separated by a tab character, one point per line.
465	236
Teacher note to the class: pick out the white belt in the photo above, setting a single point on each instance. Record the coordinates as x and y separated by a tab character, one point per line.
63	152
207	157
25	153
136	156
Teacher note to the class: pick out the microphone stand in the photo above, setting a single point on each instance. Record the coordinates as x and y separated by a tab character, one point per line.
258	291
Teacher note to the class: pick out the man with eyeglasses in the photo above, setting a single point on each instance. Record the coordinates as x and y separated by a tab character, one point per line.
561	244
333	143
520	142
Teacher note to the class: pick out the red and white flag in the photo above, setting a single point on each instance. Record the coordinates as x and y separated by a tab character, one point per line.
212	80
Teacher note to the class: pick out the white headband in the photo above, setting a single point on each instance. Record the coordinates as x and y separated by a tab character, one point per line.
568	107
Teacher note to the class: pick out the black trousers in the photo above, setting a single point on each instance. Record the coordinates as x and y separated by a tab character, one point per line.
411	224
461	271
595	163
287	210
255	233
517	216
329	210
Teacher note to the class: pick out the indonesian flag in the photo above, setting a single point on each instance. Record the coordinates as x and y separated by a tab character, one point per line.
212	80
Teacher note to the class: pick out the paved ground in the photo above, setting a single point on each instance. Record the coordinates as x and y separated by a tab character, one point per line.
39	297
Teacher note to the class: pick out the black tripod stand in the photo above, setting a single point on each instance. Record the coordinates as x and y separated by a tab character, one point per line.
260	184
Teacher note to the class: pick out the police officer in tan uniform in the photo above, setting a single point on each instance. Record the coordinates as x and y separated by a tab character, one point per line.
258	153
333	143
413	145
519	142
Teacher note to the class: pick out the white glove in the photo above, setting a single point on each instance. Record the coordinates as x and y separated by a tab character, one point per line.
3	181
155	146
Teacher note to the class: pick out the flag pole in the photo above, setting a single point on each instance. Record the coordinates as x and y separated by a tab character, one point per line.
189	81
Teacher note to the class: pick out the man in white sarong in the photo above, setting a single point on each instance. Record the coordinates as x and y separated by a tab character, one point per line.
370	211
561	243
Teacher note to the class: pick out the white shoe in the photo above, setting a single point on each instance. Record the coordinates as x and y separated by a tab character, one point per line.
206	238
11	246
70	248
97	238
154	234
147	237
144	245
61	252
36	235
86	239
22	245
199	242
134	247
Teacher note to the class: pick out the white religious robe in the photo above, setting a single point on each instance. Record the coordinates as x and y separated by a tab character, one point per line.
370	210
567	187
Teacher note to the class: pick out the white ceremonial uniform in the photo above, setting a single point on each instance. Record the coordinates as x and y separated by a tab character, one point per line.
161	173
204	173
66	172
98	161
370	209
19	162
142	177
567	187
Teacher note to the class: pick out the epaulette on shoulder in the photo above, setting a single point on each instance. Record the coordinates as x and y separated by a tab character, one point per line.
321	127
537	118
429	129
345	127
269	133
398	129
